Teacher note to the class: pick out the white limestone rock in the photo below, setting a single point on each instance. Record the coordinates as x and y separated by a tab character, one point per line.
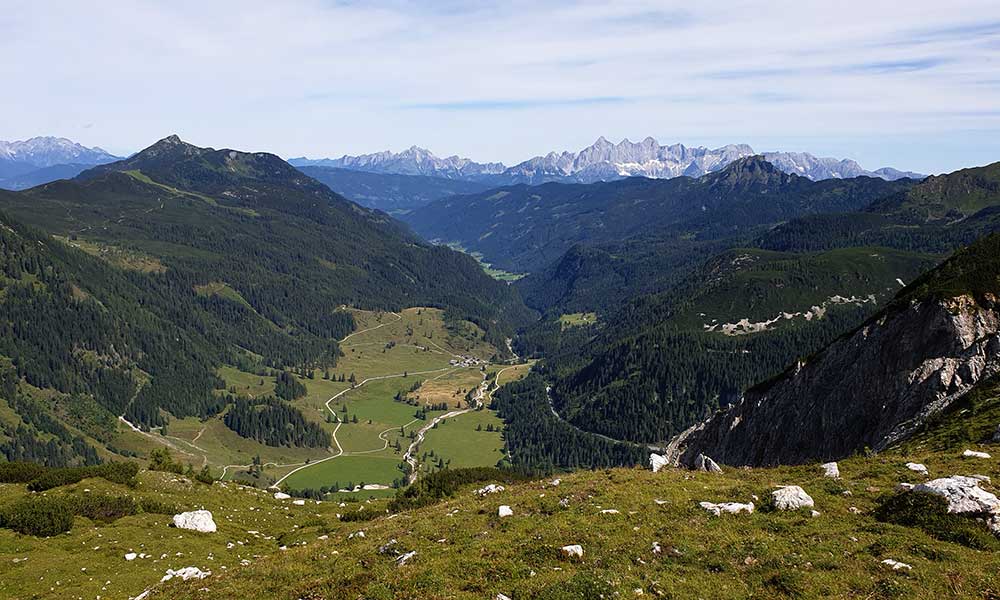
975	454
299	502
733	508
505	511
131	556
896	565
196	520
830	469
791	497
917	468
572	551
963	494
281	496
492	488
185	574
657	462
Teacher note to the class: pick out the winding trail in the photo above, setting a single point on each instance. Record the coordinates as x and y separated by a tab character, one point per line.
398	316
484	393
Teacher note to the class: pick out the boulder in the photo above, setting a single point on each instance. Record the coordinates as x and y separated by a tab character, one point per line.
572	551
791	497
733	508
185	574
975	454
299	502
830	469
502	597
131	556
492	488
281	496
896	565
963	495
917	468
505	511
196	520
657	462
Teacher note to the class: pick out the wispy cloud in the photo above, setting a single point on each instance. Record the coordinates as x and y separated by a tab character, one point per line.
516	104
506	80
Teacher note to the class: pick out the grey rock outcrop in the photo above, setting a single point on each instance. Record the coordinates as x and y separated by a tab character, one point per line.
869	389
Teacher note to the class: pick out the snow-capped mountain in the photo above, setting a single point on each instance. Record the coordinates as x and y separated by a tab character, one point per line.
602	161
807	165
412	161
49	151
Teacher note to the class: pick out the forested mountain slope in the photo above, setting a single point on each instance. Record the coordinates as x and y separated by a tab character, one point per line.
876	385
664	361
178	261
939	214
522	228
290	247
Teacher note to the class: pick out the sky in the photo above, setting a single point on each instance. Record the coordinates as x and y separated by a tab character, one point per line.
914	84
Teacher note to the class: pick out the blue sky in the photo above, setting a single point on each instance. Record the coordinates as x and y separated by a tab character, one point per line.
913	84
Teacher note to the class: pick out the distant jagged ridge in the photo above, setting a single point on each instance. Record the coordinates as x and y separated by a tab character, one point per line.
603	161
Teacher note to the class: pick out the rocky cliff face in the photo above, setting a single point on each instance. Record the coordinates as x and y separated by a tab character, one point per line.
869	389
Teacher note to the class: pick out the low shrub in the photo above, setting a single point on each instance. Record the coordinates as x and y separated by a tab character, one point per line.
157	507
40	516
20	472
443	484
929	513
365	514
115	472
103	508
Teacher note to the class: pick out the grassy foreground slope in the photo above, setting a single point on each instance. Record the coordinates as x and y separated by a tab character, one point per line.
464	550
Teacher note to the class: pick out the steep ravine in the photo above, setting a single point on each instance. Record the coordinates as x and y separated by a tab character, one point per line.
868	389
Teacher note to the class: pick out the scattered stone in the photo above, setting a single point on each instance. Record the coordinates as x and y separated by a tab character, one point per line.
572	551
185	574
657	462
904	487
733	508
281	496
502	597
791	497
609	511
917	468
963	495
659	502
387	547
564	502
404	558
830	469
299	502
492	488
505	511
197	520
846	493
854	510
814	513
896	565
131	556
555	482
975	454
657	549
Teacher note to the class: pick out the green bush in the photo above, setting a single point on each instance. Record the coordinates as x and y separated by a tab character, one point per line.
115	472
39	516
156	507
443	484
20	472
365	514
929	513
99	507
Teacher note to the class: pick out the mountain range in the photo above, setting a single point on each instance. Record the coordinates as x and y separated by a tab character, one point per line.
602	161
38	160
523	228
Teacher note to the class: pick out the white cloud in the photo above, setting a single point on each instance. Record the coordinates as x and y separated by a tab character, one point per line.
508	80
